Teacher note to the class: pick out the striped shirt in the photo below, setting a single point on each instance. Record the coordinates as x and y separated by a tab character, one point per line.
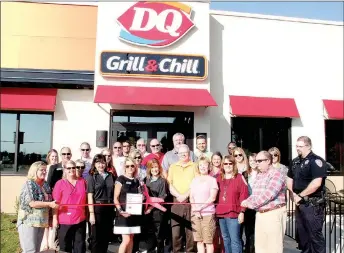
268	190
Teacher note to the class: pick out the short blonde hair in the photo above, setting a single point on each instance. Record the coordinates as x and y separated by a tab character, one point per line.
80	161
203	159
32	173
129	159
134	153
64	170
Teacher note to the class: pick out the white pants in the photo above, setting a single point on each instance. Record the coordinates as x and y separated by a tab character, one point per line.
30	238
269	231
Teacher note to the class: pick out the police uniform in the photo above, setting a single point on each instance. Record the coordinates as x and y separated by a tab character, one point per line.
310	211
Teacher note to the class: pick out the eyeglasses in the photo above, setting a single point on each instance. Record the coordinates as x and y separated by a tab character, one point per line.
141	145
301	146
138	157
238	155
80	167
130	166
85	149
261	160
70	168
156	145
227	163
115	147
65	154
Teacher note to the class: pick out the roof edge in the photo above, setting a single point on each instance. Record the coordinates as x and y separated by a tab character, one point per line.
273	17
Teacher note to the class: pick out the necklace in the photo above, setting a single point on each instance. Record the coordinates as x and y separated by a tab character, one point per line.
225	185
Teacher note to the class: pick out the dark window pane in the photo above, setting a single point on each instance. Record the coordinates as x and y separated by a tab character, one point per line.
36	130
7	130
334	130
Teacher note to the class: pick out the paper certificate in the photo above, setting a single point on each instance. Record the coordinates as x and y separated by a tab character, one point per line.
134	204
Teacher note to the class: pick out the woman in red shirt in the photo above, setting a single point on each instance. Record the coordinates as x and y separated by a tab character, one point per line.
232	191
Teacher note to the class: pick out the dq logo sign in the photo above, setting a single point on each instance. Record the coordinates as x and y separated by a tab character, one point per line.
155	24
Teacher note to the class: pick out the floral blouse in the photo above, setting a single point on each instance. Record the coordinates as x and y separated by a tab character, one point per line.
33	217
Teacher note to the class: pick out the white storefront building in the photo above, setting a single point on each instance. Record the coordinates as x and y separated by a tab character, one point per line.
256	66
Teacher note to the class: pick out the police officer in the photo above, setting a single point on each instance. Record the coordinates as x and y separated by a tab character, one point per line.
306	183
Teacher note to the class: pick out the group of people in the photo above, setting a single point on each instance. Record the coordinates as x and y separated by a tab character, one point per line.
208	201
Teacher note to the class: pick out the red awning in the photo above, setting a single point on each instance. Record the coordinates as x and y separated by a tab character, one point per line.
153	96
26	99
263	107
334	108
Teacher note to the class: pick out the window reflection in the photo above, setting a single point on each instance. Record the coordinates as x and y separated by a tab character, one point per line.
138	119
34	140
36	130
7	145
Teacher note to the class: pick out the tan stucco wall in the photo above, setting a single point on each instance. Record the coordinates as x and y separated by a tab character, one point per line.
48	36
10	189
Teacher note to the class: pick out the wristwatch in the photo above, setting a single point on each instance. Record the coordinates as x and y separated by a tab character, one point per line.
120	210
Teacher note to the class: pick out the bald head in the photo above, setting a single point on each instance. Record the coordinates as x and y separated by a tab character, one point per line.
155	146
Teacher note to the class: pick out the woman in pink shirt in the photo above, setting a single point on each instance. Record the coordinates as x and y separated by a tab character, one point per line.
203	192
72	219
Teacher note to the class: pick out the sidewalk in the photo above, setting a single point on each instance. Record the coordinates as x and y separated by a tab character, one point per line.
289	246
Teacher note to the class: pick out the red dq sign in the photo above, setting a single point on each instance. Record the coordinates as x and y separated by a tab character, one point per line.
155	24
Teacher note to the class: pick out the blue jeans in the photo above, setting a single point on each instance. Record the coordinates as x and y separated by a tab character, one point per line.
230	230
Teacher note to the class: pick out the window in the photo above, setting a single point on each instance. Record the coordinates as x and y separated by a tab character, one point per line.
255	134
334	130
25	139
132	125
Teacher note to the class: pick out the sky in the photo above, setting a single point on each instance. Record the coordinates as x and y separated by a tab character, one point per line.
332	11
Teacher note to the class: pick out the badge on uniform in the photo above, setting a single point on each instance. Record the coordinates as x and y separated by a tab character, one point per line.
306	162
319	162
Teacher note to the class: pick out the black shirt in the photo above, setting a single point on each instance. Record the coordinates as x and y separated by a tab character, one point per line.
103	190
157	188
304	170
55	174
129	185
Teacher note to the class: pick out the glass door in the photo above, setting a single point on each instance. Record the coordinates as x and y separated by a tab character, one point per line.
132	125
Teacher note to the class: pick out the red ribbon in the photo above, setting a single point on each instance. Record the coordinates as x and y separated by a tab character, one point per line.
153	201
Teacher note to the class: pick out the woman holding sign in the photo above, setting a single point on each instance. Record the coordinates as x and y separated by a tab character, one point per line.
127	224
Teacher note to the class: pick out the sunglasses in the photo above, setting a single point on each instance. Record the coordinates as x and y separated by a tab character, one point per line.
80	167
117	147
157	145
65	154
261	160
240	155
274	155
85	149
71	168
138	157
227	163
130	166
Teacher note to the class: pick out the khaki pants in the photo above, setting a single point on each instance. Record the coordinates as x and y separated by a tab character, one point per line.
269	231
